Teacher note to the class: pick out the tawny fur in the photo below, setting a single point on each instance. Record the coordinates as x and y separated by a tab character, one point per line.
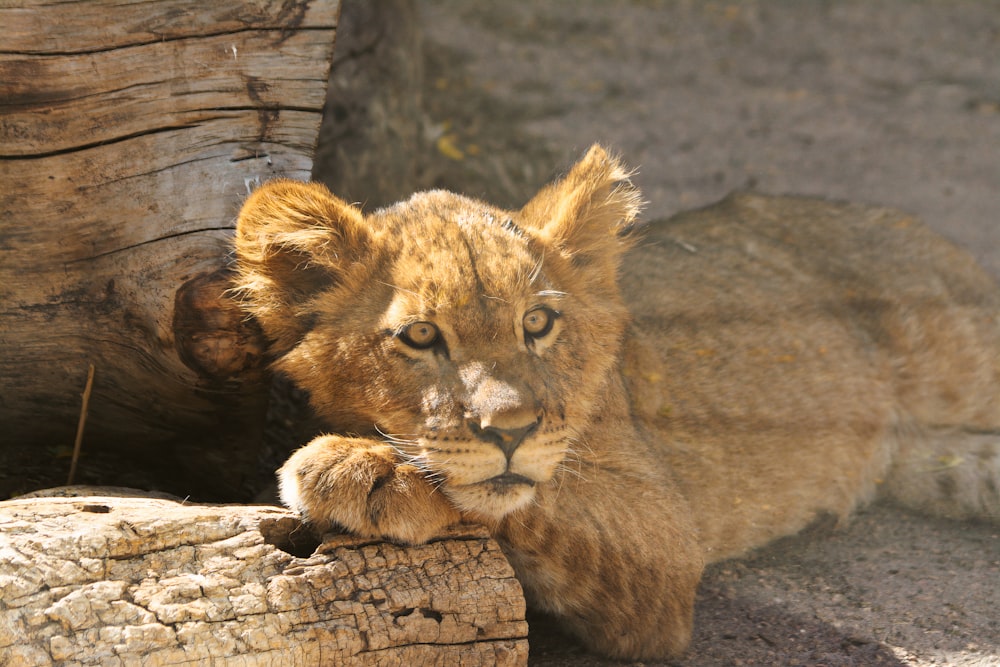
619	413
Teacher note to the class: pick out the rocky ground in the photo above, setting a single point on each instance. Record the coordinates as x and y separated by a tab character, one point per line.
893	103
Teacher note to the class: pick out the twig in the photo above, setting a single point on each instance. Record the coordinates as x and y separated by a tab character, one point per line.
687	246
78	444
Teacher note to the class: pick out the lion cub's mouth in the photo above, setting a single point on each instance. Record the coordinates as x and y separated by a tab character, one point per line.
493	497
485	478
507	480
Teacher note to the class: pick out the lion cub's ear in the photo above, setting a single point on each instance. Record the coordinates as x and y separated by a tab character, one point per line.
294	239
588	214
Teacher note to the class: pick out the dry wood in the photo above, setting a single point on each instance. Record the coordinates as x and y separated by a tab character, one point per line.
78	442
129	134
116	580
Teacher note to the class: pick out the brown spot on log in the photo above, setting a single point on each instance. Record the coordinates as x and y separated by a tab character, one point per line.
213	336
268	113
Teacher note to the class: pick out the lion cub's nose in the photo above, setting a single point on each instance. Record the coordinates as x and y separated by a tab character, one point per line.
507	439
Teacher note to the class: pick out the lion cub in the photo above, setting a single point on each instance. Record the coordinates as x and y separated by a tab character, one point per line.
620	405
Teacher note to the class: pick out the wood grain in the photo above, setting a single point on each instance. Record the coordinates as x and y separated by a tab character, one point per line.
130	132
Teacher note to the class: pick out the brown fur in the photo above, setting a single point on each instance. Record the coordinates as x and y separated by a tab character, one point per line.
742	370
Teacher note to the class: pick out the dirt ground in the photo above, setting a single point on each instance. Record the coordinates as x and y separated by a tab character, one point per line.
894	102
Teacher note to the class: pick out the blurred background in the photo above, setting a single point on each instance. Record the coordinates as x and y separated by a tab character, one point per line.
893	102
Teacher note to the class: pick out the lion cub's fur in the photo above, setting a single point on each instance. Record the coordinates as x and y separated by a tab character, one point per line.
618	412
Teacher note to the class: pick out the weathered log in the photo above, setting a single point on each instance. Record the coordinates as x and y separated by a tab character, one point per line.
129	134
109	580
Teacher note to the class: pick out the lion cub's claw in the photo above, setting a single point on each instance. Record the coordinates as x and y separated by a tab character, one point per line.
363	488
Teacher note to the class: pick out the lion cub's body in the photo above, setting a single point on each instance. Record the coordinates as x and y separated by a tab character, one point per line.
619	415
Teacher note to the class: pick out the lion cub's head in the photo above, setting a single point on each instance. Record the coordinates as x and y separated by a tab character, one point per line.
476	340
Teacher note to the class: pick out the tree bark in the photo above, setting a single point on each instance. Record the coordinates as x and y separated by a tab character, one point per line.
130	132
112	580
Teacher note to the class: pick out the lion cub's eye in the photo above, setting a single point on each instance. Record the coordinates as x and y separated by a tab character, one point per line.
420	335
538	323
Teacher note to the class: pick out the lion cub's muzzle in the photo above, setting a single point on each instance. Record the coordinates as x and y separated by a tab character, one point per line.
507	439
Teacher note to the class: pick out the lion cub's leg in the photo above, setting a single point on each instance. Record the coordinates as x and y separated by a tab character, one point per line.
362	486
949	472
613	554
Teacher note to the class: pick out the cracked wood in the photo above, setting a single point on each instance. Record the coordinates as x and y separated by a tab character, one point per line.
113	580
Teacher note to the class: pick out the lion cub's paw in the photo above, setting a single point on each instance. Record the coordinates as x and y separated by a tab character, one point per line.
361	486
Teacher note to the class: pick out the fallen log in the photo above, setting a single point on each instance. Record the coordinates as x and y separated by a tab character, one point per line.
130	132
102	580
